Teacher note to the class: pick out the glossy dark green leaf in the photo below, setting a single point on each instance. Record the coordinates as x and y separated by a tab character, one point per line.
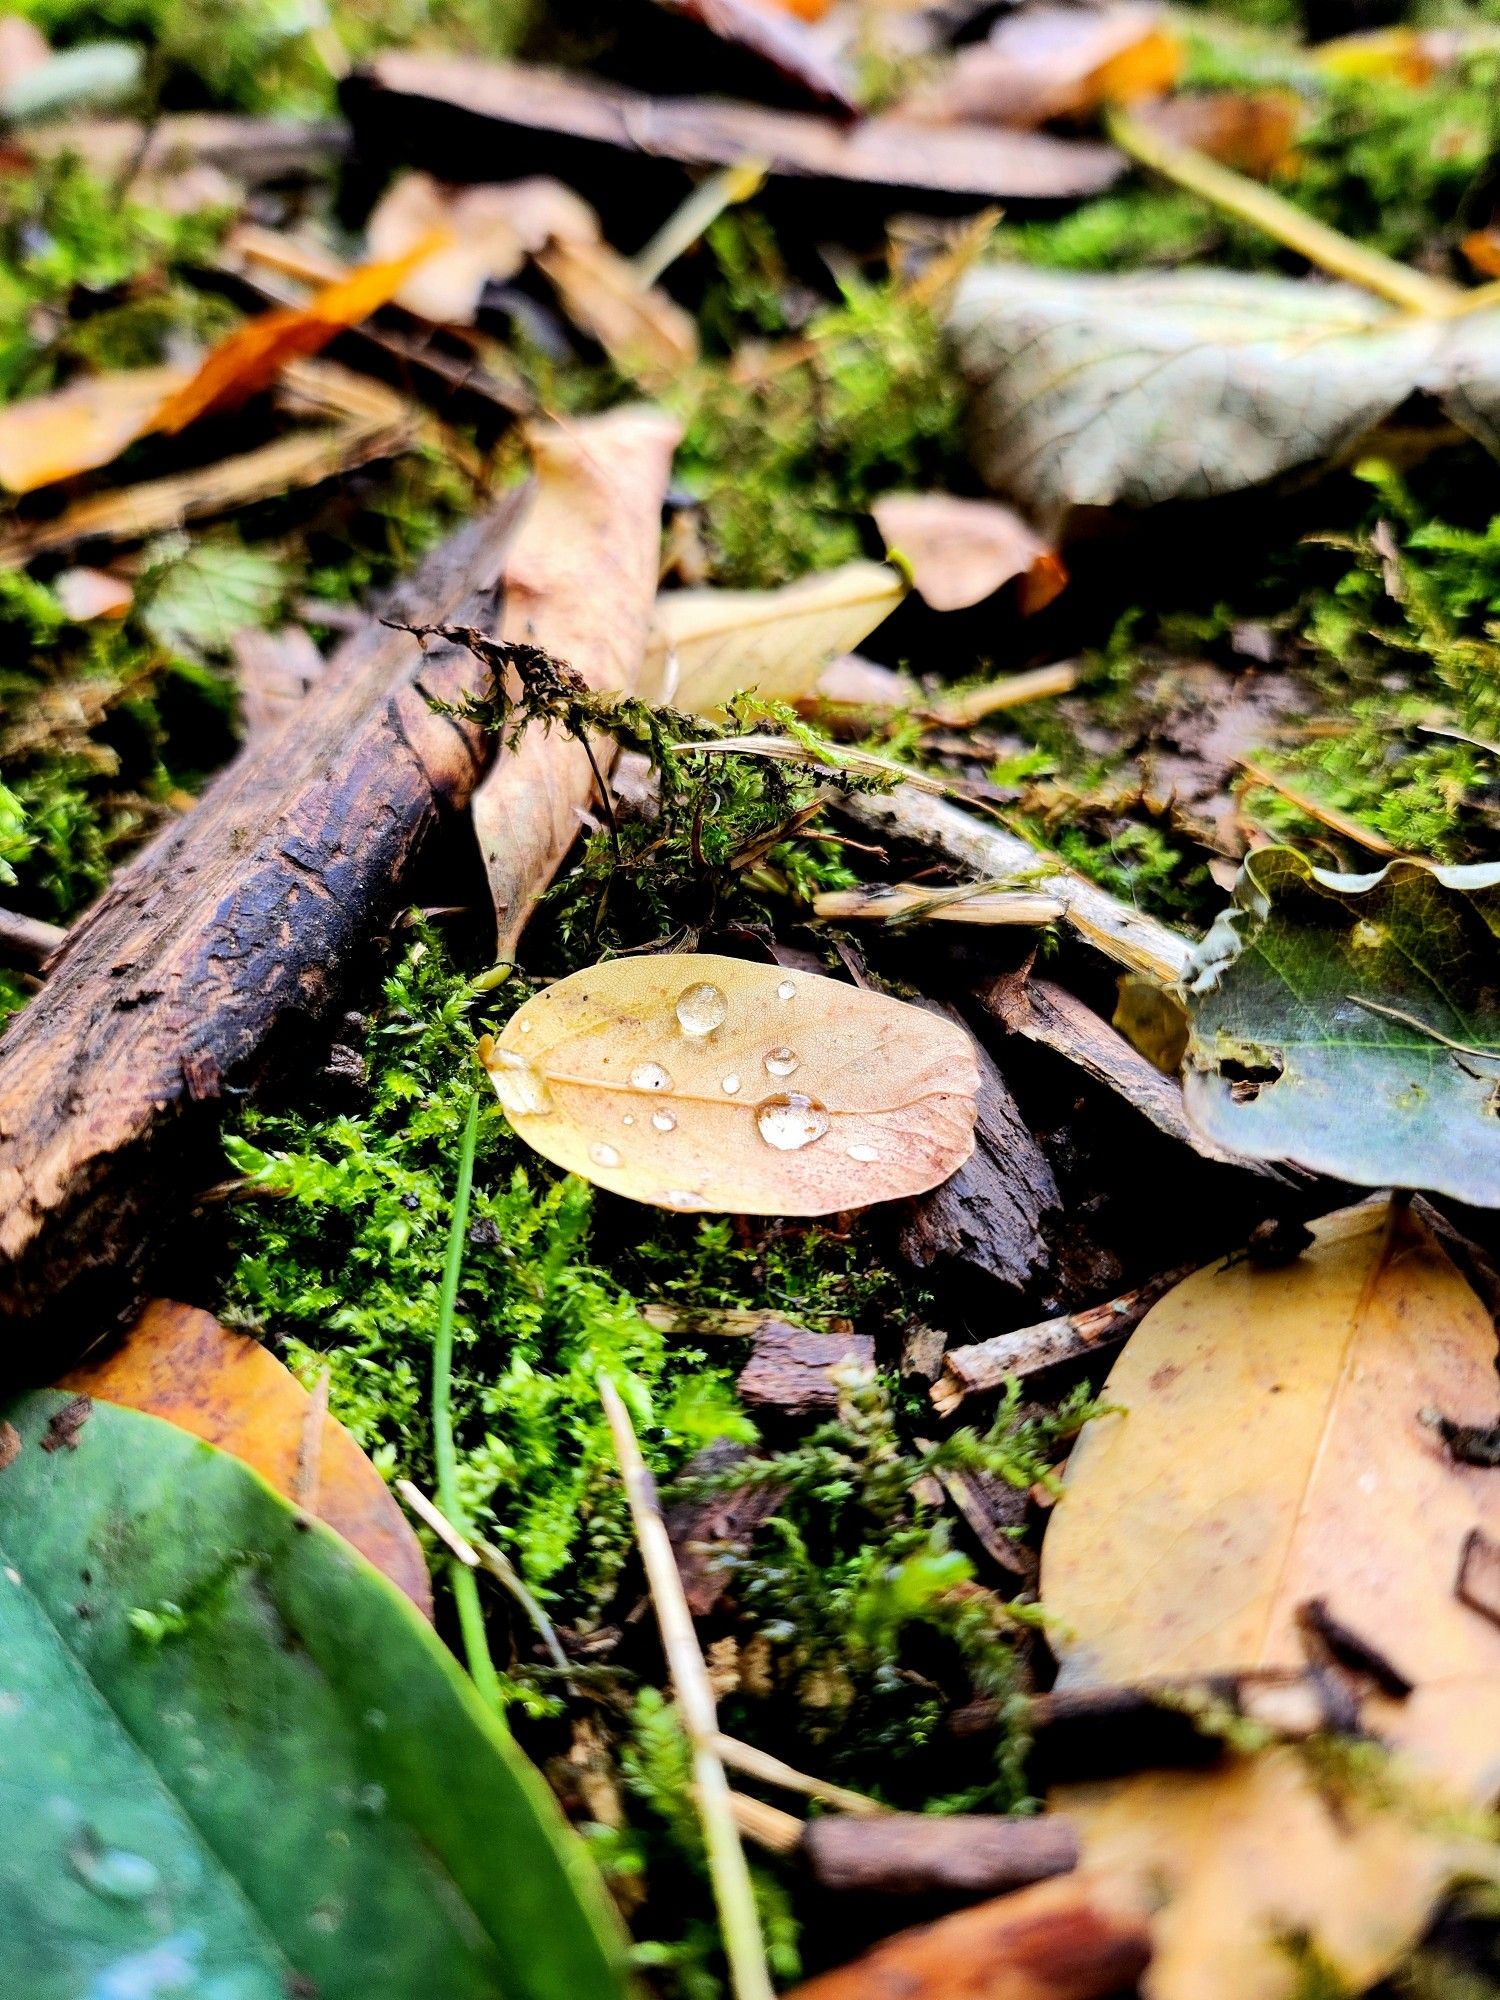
235	1764
1351	1024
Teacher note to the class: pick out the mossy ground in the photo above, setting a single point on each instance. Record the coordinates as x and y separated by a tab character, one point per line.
859	1619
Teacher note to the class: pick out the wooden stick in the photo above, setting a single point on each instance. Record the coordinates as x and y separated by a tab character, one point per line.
743	1944
993	855
921	1854
971	1371
753	1763
28	938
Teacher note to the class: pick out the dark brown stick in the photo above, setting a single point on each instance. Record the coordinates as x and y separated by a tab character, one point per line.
27	940
918	1854
209	954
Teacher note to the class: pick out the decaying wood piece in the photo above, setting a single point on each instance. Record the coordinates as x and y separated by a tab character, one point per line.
989	1214
707	1530
919	1854
27	940
454	114
991	854
213	948
1097	1330
796	1371
1067	1939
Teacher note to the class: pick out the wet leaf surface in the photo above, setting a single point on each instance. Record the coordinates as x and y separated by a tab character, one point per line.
692	1081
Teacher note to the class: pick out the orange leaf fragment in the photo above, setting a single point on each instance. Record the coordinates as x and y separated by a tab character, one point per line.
180	1364
1482	248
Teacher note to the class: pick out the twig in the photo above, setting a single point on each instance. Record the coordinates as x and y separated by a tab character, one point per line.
790	750
1329	248
744	1757
28	938
696	216
743	1944
1326	815
780	1832
445	1455
903	903
1124	934
480	1554
964	710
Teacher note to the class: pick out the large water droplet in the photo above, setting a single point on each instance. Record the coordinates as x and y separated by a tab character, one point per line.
785	990
701	1009
113	1871
603	1155
782	1061
664	1121
650	1076
519	1085
863	1153
731	1083
792	1121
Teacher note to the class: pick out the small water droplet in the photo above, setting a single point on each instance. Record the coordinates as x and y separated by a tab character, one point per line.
731	1083
650	1076
863	1153
681	1198
664	1121
113	1871
628	1119
701	1009
785	990
519	1085
790	1122
603	1155
525	1027
782	1061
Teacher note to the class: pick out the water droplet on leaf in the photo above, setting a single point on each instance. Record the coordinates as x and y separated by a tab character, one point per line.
701	1009
731	1083
113	1871
603	1155
785	990
682	1198
520	1087
782	1061
650	1076
863	1153
664	1121
790	1122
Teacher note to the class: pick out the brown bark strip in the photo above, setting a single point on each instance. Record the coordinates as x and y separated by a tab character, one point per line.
1068	1939
918	1854
212	950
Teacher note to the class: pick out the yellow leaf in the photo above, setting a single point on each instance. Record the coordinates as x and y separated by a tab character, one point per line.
709	644
700	1082
47	438
1270	1450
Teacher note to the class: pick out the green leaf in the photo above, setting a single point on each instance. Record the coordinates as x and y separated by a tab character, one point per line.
238	1766
204	591
1351	1024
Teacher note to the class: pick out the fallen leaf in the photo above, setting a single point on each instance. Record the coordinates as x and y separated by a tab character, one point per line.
180	1364
1403	54
1350	1024
646	334
23	48
1253	131
1042	63
777	38
579	580
1267	1450
699	1082
200	593
193	1666
1482	248
510	103
91	75
87	594
1091	389
708	644
274	671
492	229
47	438
959	552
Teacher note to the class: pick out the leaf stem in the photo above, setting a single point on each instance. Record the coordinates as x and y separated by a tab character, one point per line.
727	1867
445	1455
1329	248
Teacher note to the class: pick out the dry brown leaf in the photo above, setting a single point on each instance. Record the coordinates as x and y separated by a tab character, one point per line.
1253	131
86	594
786	45
47	438
1269	1450
648	336
580	579
707	645
274	671
1482	248
1054	62
701	1082
959	552
493	229
180	1364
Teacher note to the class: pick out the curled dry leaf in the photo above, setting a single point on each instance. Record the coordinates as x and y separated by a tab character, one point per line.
1351	1023
1265	1448
700	1082
492	229
1044	62
579	580
1094	389
960	552
180	1364
707	645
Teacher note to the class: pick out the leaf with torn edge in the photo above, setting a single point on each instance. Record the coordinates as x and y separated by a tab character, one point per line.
700	1082
707	645
238	1762
180	1364
491	231
1350	1024
1042	63
579	581
1092	390
1266	1449
960	552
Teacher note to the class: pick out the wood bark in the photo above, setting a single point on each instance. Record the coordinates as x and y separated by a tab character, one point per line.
919	1854
210	954
792	1370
